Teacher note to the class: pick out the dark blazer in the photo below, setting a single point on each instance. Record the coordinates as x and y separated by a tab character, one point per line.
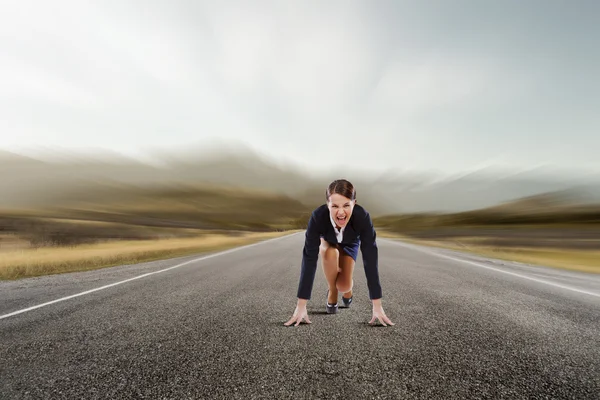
358	232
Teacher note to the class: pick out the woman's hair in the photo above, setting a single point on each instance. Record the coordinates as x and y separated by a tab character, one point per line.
341	186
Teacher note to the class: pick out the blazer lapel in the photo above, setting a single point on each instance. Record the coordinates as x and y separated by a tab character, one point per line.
330	235
349	233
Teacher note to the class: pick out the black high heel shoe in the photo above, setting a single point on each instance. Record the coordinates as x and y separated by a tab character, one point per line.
346	301
331	308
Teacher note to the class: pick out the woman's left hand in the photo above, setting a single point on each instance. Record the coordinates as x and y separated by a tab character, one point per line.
379	314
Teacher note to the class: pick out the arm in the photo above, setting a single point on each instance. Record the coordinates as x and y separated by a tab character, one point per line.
310	255
368	246
370	254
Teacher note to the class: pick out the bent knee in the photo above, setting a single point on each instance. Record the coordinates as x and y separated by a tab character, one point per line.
343	287
329	252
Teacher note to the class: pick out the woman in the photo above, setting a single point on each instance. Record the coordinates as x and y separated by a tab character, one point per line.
335	232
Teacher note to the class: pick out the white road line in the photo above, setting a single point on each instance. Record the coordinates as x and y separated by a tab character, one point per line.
148	274
494	269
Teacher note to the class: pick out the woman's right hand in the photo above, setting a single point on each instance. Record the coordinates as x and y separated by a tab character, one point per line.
300	313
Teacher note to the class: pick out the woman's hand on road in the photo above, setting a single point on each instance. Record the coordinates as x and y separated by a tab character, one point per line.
300	313
379	314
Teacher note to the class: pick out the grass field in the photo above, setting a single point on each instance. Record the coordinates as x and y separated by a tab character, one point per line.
133	225
566	257
30	262
535	230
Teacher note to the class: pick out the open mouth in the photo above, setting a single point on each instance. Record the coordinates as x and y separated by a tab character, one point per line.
341	219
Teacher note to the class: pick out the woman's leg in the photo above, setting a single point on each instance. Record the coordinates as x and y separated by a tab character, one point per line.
330	261
345	280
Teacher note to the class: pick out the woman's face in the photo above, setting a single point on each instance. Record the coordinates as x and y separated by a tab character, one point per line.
340	208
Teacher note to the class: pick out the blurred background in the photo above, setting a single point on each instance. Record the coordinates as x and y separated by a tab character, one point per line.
461	124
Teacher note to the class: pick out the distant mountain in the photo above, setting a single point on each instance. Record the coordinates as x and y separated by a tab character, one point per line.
41	181
562	201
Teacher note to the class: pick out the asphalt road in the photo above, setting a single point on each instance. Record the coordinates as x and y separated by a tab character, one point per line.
212	328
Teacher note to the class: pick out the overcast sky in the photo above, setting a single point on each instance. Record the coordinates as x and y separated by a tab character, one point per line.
443	85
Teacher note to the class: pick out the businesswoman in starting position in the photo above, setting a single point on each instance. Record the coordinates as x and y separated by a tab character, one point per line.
335	232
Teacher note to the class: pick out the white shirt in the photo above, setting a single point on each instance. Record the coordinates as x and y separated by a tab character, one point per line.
339	233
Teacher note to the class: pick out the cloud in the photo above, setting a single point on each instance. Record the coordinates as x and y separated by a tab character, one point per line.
315	82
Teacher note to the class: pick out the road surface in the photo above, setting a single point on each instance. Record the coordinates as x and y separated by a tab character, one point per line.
211	327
